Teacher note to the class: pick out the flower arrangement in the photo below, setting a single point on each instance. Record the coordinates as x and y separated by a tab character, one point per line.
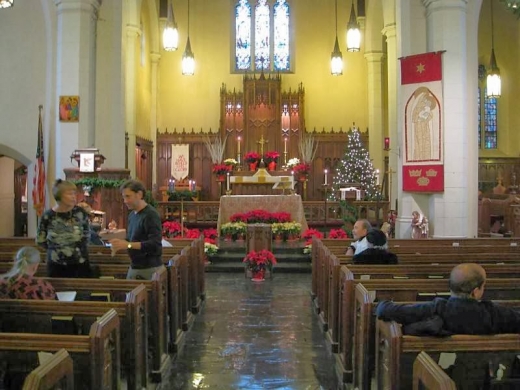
337	234
230	161
210	235
221	169
251	157
210	249
309	233
286	230
307	249
261	260
293	162
271	156
260	216
302	169
172	229
233	229
181	195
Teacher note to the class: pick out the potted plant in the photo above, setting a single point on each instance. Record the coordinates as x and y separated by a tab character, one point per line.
293	162
302	171
259	262
233	230
210	250
252	158
221	170
271	158
172	229
231	163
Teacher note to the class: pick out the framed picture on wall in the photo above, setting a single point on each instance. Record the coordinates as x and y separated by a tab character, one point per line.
69	109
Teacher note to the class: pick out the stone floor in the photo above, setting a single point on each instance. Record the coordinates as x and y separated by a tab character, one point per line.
254	335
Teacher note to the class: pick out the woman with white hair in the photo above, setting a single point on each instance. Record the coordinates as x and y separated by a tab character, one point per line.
377	250
20	282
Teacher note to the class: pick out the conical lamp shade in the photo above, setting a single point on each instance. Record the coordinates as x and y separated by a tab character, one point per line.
353	33
188	60
493	81
336	60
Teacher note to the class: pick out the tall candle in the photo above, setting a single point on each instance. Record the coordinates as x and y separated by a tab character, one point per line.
377	177
193	184
170	188
173	185
238	144
285	145
227	187
326	177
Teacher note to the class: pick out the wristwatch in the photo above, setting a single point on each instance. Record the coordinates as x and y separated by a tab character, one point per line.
129	246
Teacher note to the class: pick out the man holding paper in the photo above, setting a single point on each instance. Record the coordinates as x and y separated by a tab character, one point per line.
143	235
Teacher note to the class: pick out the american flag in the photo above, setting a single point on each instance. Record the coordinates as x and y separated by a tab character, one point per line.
38	193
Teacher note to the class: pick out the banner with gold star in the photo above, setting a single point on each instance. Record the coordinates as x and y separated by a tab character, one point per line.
421	84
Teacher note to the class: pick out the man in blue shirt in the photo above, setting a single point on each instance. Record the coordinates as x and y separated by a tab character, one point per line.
463	313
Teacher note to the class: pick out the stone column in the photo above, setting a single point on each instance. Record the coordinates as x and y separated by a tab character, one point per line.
75	75
154	58
132	35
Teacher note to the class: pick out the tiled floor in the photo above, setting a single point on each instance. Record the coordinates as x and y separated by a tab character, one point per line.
254	336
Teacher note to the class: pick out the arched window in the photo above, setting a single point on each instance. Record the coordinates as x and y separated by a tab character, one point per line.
487	121
262	32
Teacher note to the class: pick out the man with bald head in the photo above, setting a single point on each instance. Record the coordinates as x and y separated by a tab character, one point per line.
463	313
359	231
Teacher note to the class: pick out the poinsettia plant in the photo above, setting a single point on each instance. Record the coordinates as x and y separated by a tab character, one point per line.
271	156
251	157
337	234
261	260
221	169
261	216
302	169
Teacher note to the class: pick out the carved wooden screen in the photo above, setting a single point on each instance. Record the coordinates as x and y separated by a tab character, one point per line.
261	110
144	161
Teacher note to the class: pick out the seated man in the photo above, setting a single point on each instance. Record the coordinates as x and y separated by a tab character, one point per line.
376	252
360	230
463	313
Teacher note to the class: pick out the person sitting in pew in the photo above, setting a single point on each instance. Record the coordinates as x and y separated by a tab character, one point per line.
463	313
20	282
377	250
359	231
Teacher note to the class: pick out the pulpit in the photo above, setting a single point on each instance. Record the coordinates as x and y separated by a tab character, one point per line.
259	236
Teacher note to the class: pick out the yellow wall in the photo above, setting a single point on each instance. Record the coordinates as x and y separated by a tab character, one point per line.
193	102
143	77
507	50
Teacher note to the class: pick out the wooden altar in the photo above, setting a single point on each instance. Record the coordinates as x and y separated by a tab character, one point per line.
251	183
291	204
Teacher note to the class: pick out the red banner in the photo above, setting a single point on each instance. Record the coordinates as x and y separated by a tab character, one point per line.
423	178
421	68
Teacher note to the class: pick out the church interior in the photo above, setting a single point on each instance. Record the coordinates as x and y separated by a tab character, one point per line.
304	107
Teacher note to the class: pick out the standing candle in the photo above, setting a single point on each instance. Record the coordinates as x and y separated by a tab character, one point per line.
326	182
285	144
173	185
193	184
238	144
227	186
377	177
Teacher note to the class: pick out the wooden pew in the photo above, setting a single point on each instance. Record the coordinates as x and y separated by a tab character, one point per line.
427	375
365	319
396	352
157	290
392	242
56	372
36	316
96	356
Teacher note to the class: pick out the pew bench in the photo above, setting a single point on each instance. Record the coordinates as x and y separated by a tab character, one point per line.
428	375
96	356
51	317
55	373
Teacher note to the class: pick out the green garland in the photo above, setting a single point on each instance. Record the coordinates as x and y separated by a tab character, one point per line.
96	182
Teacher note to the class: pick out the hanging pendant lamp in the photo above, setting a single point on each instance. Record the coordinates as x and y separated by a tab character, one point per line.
188	59
170	32
336	60
493	82
353	32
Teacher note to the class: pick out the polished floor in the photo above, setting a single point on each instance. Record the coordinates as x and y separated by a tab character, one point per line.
254	335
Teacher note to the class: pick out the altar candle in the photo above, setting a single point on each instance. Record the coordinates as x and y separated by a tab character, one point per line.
193	184
173	185
238	144
326	177
285	144
377	177
170	185
189	186
227	187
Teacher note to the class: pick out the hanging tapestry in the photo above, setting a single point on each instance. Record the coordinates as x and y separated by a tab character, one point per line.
180	161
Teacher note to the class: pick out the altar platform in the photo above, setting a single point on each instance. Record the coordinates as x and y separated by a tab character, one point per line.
233	204
261	182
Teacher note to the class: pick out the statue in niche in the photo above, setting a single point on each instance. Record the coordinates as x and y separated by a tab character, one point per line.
499	189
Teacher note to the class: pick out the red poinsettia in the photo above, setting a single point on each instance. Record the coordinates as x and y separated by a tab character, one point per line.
172	229
337	234
261	216
221	169
251	157
261	260
302	169
271	156
309	233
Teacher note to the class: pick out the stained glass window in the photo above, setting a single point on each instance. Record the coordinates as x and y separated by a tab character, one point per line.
487	121
243	35
281	35
262	35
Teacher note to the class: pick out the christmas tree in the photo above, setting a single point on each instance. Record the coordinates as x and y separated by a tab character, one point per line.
356	167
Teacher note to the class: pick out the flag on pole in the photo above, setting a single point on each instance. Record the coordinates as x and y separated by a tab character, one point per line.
38	192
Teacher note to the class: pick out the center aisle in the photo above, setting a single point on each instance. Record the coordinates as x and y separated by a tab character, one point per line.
254	336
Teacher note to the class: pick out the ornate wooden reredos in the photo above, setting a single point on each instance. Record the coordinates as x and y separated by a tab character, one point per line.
262	110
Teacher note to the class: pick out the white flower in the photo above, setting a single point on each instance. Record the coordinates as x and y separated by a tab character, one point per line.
293	162
230	161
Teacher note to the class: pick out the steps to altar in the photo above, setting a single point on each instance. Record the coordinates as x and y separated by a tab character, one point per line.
289	255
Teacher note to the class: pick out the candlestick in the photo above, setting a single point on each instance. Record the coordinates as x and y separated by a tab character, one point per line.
193	184
173	185
170	185
285	145
227	184
325	177
238	145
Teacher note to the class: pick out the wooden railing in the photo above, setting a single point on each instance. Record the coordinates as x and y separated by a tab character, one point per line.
317	213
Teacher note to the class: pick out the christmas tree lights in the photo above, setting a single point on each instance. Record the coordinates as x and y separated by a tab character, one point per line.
356	167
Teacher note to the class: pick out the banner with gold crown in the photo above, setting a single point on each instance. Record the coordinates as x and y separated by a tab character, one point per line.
421	86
